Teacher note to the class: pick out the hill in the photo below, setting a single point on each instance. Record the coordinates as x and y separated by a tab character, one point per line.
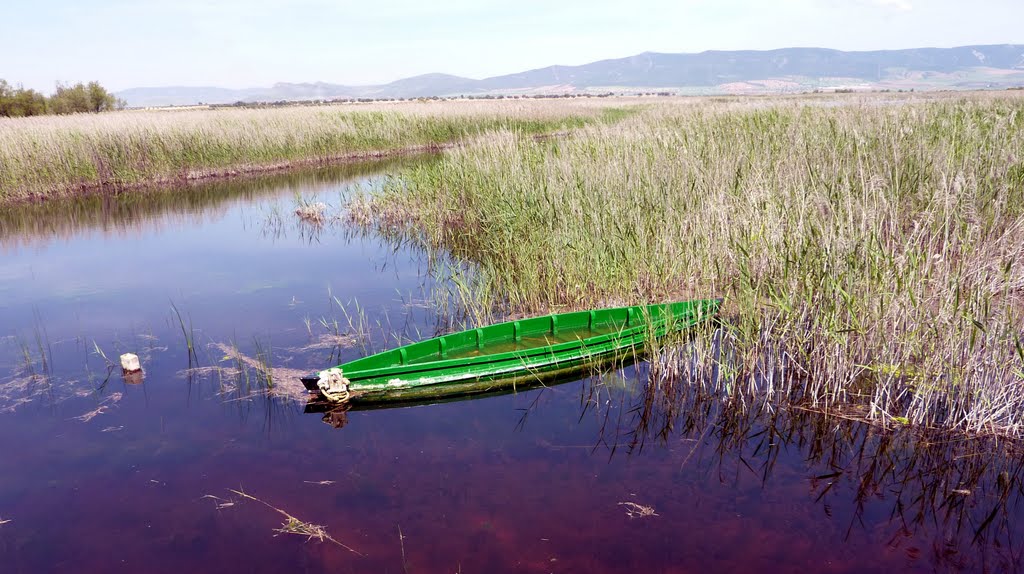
744	71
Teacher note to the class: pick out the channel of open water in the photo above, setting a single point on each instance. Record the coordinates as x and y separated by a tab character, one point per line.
105	473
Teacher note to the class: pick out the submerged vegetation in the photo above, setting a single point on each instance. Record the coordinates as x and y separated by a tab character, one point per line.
45	157
871	253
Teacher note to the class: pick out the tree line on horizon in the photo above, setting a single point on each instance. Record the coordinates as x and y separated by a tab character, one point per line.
66	99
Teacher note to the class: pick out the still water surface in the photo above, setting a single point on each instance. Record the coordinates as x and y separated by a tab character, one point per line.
103	474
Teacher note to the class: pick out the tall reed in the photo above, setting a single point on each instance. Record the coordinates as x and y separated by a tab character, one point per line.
55	155
871	252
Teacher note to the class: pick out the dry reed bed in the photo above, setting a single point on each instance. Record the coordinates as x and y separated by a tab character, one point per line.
46	156
872	254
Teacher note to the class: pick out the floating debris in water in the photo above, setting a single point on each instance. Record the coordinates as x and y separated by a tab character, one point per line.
329	341
91	414
293	525
111	399
220	503
130	363
634	510
234	377
312	212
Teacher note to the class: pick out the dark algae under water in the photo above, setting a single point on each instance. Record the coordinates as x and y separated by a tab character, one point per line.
102	473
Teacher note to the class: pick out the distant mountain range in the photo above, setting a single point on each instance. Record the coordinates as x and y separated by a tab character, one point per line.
745	71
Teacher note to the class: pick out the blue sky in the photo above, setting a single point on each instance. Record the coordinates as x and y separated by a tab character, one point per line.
246	43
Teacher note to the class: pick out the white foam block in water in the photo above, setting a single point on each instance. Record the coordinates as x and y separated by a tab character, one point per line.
130	362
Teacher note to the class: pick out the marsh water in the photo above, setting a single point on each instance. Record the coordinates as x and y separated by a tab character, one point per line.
100	472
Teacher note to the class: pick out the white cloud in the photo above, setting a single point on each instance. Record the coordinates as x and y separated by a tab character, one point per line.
901	5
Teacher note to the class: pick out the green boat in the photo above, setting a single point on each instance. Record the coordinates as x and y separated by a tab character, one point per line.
505	355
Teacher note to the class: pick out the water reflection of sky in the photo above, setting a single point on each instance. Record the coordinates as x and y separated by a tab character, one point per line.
539	481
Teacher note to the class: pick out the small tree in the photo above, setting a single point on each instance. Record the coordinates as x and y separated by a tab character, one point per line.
28	103
100	100
81	98
18	102
70	99
5	95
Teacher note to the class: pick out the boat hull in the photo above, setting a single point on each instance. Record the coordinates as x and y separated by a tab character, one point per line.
506	355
